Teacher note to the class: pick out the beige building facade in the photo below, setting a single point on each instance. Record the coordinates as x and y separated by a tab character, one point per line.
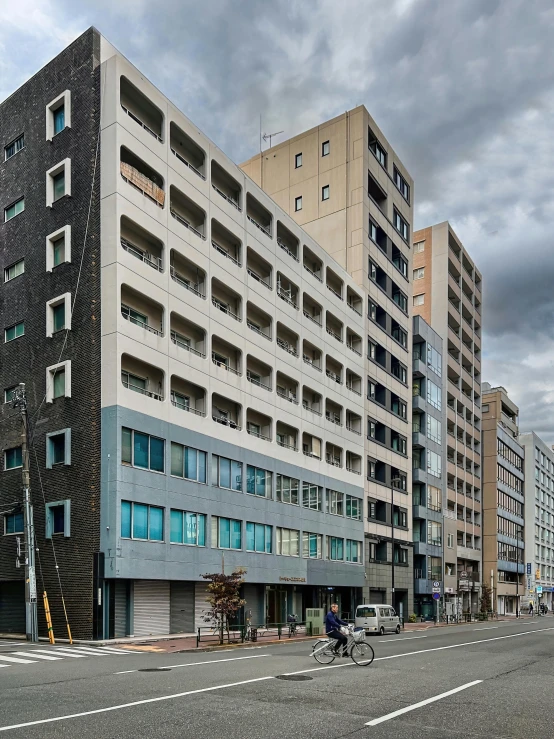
345	185
447	294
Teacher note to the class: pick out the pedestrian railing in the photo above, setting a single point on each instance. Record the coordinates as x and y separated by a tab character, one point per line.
240	633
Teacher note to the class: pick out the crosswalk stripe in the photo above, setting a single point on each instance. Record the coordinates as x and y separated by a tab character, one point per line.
36	654
67	653
89	651
113	650
18	660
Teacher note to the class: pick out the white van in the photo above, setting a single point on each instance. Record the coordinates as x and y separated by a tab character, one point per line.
377	619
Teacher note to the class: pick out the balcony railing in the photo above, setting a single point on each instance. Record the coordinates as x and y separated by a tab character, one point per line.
256	381
332	289
312	318
141	123
225	309
144	256
284	295
287	395
311	362
287	446
225	253
258	434
186	407
182	341
257	329
351	469
313	274
359	312
286	248
230	200
333	418
142	183
333	334
353	349
257	277
311	454
308	408
225	365
353	389
287	347
194	287
186	224
353	430
227	422
142	390
333	376
188	164
125	312
335	461
265	229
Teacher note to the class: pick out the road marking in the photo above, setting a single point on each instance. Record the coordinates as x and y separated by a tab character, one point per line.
67	653
113	650
36	654
13	644
89	651
486	628
406	638
20	661
206	662
426	702
134	703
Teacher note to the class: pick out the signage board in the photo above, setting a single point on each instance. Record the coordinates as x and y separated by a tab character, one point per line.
528	568
539	589
436	596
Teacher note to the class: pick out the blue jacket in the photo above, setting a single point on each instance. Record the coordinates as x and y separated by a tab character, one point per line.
333	622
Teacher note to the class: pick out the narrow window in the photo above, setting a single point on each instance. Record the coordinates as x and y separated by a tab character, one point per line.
11	149
14	209
325	148
298	203
14	270
298	160
14	332
325	192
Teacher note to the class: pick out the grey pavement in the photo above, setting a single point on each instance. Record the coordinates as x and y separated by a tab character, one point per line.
236	694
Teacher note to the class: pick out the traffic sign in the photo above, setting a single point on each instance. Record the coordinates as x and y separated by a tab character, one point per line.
436	596
539	589
436	584
463	575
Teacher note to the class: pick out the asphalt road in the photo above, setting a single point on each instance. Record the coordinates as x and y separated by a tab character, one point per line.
487	680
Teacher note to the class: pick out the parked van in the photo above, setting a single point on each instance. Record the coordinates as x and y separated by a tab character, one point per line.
377	619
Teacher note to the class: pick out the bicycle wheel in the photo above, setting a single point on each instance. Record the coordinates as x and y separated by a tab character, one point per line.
323	652
362	654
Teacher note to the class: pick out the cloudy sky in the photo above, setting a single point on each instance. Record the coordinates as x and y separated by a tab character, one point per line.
463	89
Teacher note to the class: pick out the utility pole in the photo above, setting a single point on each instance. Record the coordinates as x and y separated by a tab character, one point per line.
31	615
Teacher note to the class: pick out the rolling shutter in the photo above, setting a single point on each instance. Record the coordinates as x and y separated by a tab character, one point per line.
182	608
201	605
12	608
151	607
120	608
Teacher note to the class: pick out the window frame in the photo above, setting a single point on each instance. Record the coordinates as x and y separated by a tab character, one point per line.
64	99
148	506
307	490
50	464
296	159
12	205
404	229
325	191
50	374
324	144
51	239
200	518
50	306
251	528
15	466
17	336
15	517
215	528
279	489
296	203
416	302
183	452
49	519
132	463
398	174
216	473
268	481
10	266
65	167
279	541
14	143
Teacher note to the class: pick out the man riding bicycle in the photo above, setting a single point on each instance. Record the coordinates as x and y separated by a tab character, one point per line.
332	628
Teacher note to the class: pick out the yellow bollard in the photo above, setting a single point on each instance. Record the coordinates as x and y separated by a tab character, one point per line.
48	618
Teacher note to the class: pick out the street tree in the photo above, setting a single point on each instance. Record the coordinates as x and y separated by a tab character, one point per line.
224	598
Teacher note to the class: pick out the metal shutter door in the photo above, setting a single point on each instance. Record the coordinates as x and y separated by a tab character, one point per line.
120	608
182	608
201	605
254	597
12	608
151	609
376	596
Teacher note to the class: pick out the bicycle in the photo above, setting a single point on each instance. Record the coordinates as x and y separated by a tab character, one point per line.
356	647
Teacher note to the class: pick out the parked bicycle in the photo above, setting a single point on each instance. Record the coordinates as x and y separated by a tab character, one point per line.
356	648
292	618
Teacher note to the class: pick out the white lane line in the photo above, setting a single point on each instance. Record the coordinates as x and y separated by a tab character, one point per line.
18	660
406	638
206	662
426	702
67	653
487	628
34	653
134	703
13	644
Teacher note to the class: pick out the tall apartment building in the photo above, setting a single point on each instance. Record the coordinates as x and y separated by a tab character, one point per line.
431	563
193	363
539	520
447	294
503	501
345	185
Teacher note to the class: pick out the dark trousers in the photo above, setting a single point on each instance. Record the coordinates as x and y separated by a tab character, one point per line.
341	638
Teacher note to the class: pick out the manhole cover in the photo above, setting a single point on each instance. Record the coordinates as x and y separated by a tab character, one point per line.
154	669
294	678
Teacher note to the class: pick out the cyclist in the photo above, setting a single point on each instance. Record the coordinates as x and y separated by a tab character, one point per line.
332	629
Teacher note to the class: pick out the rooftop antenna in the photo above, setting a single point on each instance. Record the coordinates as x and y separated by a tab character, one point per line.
269	136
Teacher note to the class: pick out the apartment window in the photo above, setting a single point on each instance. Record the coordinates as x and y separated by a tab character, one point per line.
14	209
58	448
226	533
371	349
140	521
187	528
298	203
9	394
288	542
58	519
399	335
335	548
12	149
419	246
325	148
399	407
58	248
419	299
434	360
399	371
188	462
259	537
226	473
58	115
13	458
58	381
371	469
353	551
371	428
258	481
371	387
434	464
335	503
434	395
325	192
13	523
142	450
434	533
58	182
377	149
398	443
58	314
450	541
400	517
400	556
297	160
434	429
401	226
419	273
14	270
312	545
372	271
402	185
353	508
434	498
312	496
400	299
287	489
372	310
